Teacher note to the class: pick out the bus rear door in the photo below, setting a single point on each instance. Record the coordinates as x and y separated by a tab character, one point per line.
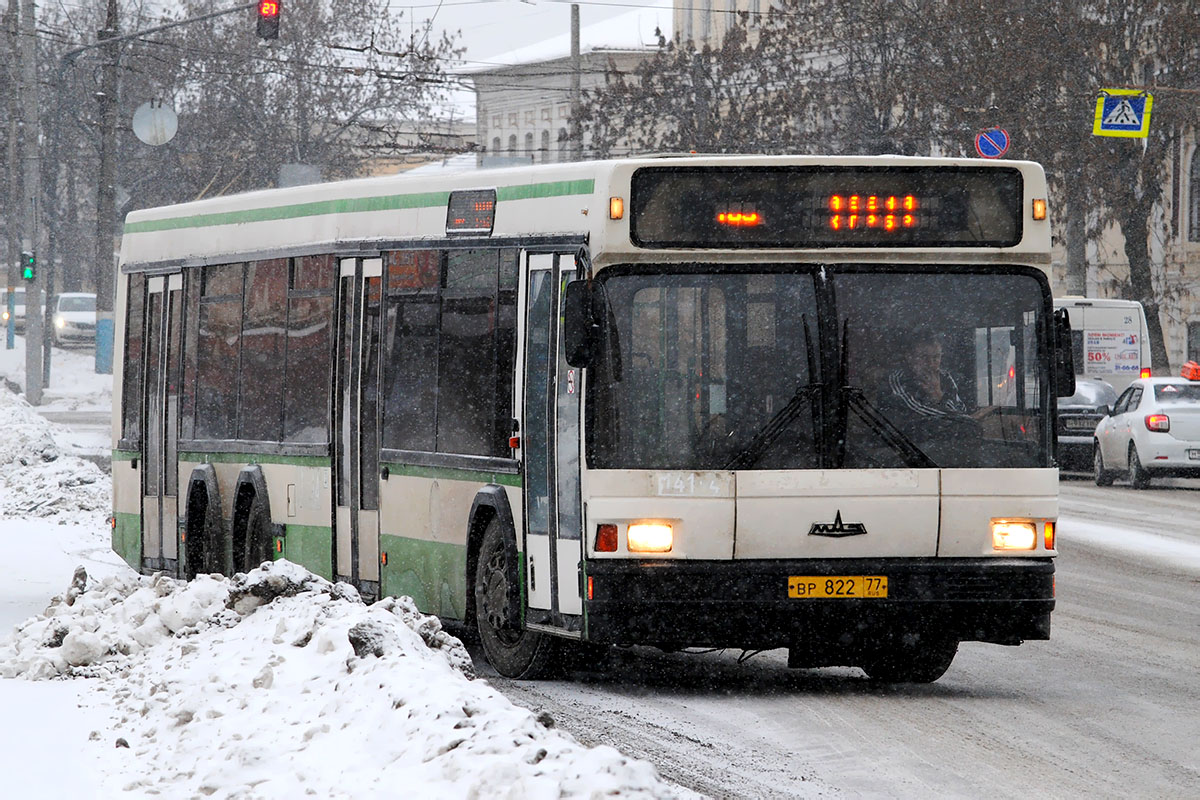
356	416
160	471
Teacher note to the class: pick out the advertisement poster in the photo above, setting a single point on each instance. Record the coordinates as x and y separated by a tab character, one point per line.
1111	353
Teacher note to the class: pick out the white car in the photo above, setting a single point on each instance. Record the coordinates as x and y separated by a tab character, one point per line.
1153	431
75	318
18	314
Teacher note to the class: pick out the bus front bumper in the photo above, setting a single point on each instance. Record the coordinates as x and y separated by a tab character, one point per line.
745	604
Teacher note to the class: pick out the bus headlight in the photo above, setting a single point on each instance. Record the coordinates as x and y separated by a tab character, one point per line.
1009	534
649	537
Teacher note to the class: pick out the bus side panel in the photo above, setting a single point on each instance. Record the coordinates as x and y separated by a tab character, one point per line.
423	533
301	497
127	528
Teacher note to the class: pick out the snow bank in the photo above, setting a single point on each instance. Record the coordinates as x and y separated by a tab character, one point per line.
279	684
37	479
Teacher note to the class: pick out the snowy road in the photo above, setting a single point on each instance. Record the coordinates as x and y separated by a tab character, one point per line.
1106	708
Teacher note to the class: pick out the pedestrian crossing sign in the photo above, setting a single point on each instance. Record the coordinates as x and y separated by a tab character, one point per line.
1122	112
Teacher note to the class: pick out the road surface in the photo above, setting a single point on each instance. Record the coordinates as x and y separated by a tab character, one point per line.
1109	707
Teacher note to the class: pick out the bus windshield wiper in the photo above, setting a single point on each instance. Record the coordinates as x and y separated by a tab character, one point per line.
775	426
888	433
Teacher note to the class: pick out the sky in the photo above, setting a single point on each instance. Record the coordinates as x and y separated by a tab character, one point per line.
142	686
508	31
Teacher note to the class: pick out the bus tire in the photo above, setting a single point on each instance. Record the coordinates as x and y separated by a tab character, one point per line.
920	662
1102	475
1138	477
260	537
208	548
511	650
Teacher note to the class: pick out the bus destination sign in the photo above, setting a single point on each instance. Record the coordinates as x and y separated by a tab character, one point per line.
800	207
471	212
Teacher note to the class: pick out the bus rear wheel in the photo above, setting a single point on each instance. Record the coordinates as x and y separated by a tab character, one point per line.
512	651
259	538
921	661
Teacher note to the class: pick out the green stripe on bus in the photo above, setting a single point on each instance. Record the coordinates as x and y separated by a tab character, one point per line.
310	546
351	205
433	574
127	538
125	455
532	191
454	474
255	458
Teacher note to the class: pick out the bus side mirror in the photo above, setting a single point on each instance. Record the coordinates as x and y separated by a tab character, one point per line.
1064	357
581	333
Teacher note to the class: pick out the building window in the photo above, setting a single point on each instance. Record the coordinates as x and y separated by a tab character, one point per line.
546	113
512	120
1194	198
562	144
497	121
496	144
545	148
1193	341
512	145
529	144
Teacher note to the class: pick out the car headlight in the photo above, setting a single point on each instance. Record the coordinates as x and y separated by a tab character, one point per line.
59	322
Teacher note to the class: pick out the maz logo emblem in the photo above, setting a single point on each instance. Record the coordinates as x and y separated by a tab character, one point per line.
837	527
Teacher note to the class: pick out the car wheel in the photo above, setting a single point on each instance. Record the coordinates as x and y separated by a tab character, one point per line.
1103	476
1138	476
512	650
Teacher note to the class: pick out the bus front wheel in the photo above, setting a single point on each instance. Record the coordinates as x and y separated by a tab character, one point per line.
511	650
917	662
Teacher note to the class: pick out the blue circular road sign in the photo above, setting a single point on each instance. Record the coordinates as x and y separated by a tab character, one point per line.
991	143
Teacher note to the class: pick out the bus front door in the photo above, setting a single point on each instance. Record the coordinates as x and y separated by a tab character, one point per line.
356	420
160	471
550	442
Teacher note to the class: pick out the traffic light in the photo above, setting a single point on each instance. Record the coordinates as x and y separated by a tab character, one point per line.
28	265
268	19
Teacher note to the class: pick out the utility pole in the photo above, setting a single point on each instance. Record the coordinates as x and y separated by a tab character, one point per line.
105	277
29	228
11	203
576	105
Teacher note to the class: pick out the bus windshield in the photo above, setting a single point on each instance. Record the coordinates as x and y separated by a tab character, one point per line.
820	367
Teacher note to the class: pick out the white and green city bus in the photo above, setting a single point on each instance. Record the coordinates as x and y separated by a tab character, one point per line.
648	401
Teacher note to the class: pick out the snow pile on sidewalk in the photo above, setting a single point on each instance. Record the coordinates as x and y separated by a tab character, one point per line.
36	479
74	383
278	684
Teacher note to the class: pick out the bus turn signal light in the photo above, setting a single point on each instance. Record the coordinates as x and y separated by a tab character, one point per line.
1009	534
649	537
606	538
1039	208
1049	532
616	207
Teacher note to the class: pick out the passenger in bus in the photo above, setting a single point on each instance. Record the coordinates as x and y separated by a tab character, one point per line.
923	400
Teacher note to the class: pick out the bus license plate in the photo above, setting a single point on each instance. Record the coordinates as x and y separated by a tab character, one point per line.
809	587
1194	455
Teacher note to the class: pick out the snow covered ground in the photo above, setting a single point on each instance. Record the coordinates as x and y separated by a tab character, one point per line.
275	684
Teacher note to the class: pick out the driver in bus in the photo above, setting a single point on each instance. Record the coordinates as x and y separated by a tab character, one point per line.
923	400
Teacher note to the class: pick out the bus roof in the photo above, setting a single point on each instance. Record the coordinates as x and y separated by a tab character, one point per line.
548	200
